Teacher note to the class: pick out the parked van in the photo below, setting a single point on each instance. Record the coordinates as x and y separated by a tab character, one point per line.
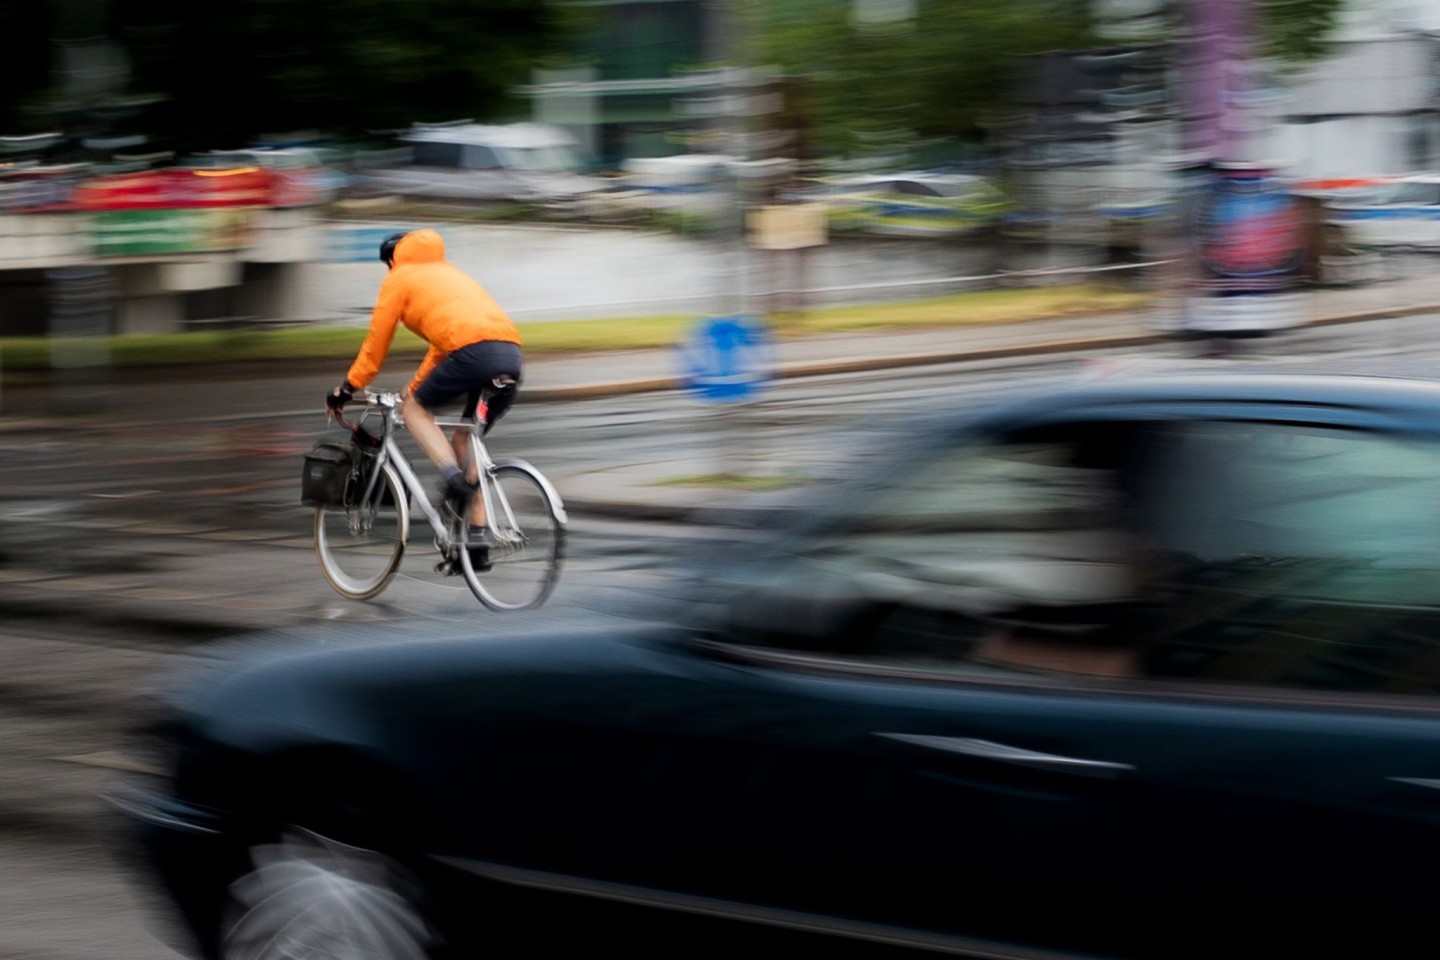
1397	212
517	162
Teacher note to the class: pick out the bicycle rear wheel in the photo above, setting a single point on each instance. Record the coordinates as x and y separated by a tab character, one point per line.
527	542
360	547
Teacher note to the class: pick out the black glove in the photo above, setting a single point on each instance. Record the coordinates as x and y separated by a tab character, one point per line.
336	399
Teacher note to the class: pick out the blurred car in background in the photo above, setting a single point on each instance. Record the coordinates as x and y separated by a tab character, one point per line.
1141	667
527	163
1391	212
910	204
681	173
706	187
694	182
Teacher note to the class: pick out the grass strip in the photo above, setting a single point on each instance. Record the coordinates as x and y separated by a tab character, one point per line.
321	341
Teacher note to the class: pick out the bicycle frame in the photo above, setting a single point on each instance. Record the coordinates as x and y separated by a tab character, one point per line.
494	503
523	541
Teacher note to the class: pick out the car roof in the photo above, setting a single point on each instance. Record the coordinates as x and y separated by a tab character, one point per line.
941	184
1412	393
491	135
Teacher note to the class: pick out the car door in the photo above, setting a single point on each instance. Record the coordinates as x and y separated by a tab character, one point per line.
1088	689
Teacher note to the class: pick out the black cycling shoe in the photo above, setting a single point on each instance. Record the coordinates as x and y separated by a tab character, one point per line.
477	542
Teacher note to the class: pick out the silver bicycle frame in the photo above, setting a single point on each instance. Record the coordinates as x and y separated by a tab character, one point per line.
391	453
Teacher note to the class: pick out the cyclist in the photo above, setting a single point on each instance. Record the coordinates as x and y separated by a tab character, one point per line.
473	345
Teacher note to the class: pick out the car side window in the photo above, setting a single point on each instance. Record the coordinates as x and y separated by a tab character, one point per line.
929	569
1293	556
480	157
1216	552
428	154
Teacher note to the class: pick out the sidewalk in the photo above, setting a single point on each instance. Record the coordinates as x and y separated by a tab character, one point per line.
562	377
110	562
639	491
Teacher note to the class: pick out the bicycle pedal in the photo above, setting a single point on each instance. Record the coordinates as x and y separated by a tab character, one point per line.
448	568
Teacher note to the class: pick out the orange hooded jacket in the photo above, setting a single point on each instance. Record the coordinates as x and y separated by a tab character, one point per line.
435	300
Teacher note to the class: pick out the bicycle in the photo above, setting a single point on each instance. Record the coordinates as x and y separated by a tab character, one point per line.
361	541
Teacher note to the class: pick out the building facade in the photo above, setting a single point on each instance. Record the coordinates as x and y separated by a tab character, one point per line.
639	64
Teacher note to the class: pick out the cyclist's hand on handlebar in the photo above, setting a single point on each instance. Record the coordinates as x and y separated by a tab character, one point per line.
336	399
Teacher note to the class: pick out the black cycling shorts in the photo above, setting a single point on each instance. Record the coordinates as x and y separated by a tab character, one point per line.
469	370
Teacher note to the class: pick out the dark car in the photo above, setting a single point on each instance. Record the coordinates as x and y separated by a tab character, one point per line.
1145	667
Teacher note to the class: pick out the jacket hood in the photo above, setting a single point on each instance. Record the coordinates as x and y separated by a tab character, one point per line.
420	246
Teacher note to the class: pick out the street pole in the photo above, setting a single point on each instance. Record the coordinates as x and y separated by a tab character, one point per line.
1245	229
1215	75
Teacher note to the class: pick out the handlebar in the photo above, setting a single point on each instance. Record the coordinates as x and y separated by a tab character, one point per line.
382	399
390	402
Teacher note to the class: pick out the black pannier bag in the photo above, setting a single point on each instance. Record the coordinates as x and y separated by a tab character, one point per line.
365	441
330	467
366	448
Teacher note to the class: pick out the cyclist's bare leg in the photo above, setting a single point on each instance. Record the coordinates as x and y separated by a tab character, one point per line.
431	439
460	445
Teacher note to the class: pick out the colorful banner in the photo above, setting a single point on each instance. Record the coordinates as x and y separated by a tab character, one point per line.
177	188
131	233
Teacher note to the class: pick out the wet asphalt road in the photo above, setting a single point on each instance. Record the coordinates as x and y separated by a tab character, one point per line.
181	489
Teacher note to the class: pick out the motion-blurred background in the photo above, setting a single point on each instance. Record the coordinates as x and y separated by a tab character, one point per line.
171	167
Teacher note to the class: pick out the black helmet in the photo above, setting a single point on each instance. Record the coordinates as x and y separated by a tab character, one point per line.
387	248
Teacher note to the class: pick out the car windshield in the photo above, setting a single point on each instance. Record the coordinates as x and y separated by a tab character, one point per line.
552	158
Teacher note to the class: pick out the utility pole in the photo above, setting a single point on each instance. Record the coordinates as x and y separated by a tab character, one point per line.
1216	61
1243	234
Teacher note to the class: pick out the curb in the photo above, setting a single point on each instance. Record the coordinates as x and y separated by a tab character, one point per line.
785	371
822	368
897	361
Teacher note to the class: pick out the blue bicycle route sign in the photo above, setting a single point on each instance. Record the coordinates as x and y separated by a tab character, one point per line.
726	359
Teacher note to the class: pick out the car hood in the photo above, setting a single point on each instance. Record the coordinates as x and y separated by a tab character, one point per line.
332	678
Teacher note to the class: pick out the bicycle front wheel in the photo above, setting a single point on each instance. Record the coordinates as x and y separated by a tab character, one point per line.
527	542
360	547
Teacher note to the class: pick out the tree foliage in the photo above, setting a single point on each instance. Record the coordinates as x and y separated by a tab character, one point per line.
939	73
237	69
24	70
1295	31
954	64
228	72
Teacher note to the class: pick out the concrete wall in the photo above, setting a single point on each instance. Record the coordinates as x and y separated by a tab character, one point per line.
254	272
295	268
540	273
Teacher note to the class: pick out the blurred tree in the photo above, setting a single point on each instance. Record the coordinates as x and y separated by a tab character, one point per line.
1296	31
874	72
25	68
934	68
233	71
884	73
